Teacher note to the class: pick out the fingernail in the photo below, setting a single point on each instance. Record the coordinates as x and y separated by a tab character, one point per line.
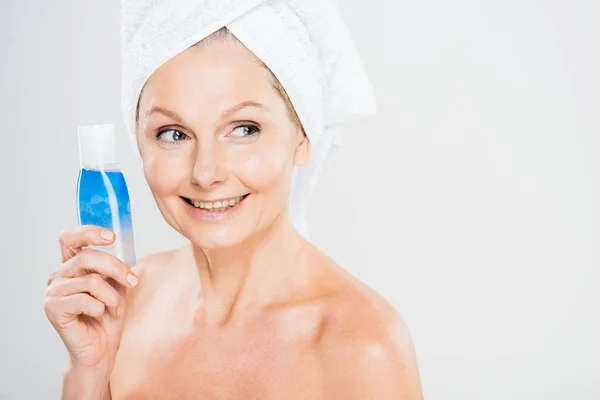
132	280
106	235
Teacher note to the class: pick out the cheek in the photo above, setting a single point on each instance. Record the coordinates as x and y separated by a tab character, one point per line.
164	174
265	167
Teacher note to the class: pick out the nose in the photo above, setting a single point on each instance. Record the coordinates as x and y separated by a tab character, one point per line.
209	166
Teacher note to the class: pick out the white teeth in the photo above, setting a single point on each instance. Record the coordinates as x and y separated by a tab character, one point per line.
221	205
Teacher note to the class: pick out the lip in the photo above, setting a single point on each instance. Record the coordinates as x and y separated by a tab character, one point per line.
211	215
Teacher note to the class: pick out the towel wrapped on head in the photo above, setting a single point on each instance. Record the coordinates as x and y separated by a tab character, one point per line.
305	43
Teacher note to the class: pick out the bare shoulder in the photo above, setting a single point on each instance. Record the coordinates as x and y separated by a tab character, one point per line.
147	265
151	270
365	347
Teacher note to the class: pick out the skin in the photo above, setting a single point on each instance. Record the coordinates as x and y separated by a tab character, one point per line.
248	309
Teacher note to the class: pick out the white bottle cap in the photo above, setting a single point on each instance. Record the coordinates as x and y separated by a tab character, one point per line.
97	146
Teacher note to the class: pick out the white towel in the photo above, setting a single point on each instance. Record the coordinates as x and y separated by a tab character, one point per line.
305	43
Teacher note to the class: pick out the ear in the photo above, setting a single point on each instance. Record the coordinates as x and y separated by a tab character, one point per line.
302	153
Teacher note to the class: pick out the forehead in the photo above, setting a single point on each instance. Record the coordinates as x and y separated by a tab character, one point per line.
212	74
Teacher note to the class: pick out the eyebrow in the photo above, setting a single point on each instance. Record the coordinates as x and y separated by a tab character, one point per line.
224	115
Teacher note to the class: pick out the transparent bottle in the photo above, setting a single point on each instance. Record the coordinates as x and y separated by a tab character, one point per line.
102	195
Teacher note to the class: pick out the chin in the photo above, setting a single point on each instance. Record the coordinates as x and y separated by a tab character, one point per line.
216	237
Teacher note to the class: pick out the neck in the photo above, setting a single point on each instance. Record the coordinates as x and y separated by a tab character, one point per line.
249	275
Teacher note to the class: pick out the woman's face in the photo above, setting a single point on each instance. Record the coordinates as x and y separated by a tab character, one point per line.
218	145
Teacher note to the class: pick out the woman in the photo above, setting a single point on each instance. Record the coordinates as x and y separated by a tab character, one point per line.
249	309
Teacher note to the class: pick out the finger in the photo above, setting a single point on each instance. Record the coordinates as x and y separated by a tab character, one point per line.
51	277
74	239
76	304
93	284
122	291
96	261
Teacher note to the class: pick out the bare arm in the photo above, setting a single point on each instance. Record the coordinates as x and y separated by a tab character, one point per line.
80	383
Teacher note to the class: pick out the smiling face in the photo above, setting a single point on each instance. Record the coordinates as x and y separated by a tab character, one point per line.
213	130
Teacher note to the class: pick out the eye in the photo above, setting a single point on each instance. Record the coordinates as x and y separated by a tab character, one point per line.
171	136
243	131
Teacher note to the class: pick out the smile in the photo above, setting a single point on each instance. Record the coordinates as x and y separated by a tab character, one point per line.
218	205
214	210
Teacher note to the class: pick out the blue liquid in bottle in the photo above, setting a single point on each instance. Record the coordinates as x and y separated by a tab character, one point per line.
102	195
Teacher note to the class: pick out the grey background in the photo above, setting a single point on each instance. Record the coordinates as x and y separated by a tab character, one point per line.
470	201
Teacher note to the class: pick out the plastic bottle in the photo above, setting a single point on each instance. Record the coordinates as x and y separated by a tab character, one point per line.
102	195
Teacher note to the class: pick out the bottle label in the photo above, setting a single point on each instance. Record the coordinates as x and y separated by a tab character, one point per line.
103	200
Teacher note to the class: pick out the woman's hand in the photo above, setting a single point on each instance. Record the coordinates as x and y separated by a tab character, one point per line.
85	300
